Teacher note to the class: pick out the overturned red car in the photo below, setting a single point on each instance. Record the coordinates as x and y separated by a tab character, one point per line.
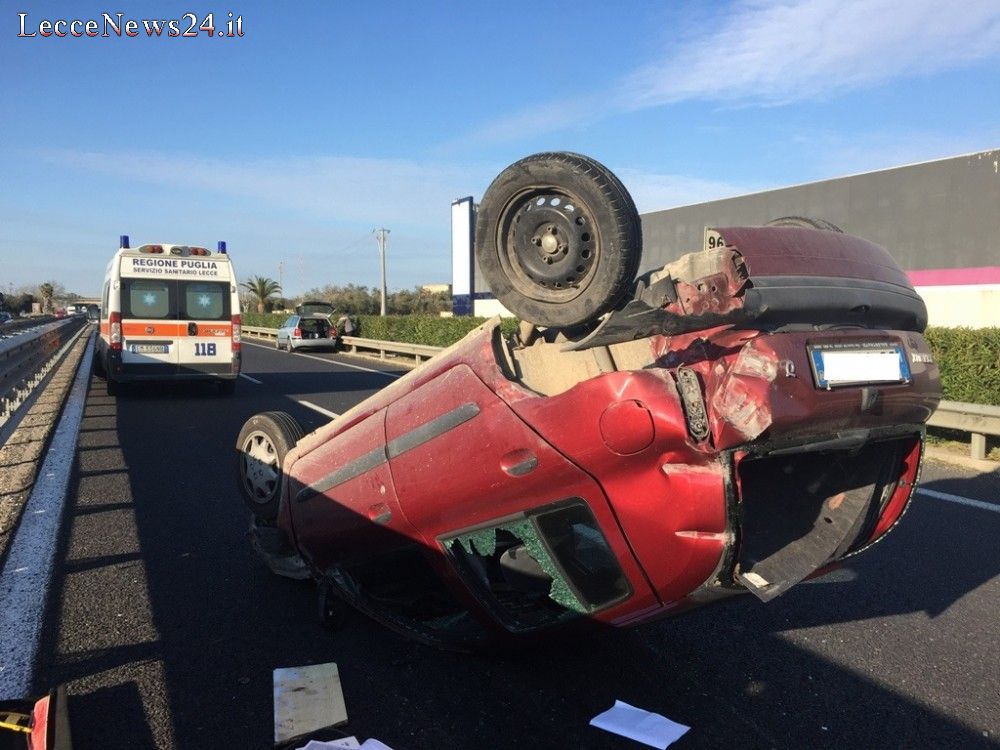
739	420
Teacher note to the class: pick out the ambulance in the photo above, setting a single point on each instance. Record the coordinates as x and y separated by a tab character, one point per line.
169	312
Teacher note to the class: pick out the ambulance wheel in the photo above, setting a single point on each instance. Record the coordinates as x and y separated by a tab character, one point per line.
261	448
558	239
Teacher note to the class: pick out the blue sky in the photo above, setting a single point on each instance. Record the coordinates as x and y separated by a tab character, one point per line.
330	119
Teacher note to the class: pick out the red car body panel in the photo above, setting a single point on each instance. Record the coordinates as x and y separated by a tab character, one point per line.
463	443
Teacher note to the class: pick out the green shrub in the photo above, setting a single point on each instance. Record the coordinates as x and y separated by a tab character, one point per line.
969	359
264	320
423	329
411	329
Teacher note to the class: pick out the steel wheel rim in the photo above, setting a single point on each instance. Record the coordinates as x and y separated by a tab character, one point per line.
548	244
259	469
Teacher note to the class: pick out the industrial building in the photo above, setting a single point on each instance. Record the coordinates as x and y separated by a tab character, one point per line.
939	219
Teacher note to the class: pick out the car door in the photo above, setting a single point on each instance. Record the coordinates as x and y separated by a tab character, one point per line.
150	330
205	345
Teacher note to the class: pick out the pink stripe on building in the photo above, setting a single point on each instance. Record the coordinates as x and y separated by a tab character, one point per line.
955	276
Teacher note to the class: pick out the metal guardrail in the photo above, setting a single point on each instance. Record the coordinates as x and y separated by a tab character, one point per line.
977	419
356	344
27	358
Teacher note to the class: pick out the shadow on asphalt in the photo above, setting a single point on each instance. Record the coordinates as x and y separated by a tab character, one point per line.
167	628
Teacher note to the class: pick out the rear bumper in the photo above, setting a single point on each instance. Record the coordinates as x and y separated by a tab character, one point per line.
124	372
314	343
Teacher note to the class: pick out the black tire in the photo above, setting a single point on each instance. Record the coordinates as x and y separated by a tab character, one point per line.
227	387
98	367
261	448
804	222
558	239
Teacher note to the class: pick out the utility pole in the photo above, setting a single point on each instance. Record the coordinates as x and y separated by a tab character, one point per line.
381	236
281	270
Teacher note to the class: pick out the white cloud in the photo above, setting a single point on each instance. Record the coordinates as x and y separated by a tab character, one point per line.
335	188
313	214
778	51
655	192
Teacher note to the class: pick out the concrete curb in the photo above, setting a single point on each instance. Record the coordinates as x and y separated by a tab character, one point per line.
956	459
22	453
27	571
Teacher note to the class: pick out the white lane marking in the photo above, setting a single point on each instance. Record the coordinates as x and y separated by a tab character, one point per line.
392	375
320	409
345	364
252	380
959	499
25	579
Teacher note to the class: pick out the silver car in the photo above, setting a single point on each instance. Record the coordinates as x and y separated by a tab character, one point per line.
307	332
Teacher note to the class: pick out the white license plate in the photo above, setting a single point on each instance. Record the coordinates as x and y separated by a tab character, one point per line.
858	364
149	348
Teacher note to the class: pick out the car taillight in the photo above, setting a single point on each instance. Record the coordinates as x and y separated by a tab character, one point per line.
297	333
237	331
115	330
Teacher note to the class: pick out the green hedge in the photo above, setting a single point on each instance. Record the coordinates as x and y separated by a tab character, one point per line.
969	359
423	329
411	329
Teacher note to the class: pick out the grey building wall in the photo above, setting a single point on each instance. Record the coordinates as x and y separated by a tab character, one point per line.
938	214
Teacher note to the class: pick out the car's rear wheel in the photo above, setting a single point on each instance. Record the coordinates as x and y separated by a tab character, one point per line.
261	448
558	239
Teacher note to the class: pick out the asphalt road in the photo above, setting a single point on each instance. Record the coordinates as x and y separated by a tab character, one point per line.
167	628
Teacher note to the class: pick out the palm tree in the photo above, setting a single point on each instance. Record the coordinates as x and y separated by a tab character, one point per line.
262	288
46	291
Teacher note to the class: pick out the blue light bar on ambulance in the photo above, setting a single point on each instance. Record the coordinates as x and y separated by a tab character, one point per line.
222	246
123	243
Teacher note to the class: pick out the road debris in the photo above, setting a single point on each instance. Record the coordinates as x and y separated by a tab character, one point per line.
307	699
639	725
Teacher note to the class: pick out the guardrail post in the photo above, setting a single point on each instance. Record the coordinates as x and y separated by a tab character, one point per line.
978	445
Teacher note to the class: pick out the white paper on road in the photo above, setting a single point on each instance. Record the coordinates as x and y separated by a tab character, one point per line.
348	743
642	726
307	699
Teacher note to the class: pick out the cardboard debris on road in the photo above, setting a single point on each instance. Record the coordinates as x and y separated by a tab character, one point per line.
307	699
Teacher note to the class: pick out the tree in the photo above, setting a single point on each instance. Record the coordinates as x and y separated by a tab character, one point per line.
46	291
262	288
353	299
